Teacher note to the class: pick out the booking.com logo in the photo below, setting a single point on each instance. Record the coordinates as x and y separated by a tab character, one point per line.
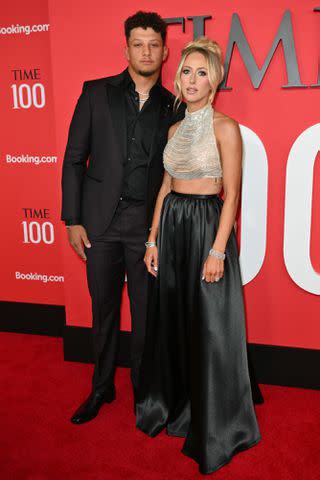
24	29
30	159
39	277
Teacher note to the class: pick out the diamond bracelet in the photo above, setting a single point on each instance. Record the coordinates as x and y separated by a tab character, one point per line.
150	244
215	253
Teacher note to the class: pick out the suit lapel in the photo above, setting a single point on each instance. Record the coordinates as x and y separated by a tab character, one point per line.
116	100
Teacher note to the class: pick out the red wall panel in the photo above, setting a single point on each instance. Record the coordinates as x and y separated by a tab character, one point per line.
87	42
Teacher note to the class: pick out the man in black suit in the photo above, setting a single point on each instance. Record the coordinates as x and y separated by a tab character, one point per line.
112	173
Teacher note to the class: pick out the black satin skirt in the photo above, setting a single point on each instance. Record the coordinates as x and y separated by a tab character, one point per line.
194	378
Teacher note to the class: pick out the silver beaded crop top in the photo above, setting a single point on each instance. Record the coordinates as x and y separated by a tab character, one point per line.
192	151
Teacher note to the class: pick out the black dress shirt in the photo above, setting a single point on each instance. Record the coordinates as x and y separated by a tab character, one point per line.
140	130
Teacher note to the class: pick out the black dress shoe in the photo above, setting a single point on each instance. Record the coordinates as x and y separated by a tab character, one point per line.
90	408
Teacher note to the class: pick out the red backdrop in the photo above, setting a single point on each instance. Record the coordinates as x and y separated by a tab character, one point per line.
41	77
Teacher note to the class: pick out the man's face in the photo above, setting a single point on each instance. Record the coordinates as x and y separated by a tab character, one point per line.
145	51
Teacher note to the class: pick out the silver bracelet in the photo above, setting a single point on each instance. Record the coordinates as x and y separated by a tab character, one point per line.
215	253
150	244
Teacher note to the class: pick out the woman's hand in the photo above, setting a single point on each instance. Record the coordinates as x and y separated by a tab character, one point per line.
213	269
151	260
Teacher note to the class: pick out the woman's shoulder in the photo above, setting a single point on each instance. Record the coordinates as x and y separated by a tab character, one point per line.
224	121
225	125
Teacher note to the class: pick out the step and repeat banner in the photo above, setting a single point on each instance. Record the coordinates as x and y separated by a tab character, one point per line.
272	88
31	266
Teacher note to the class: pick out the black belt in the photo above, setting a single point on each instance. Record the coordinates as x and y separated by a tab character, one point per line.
130	200
194	195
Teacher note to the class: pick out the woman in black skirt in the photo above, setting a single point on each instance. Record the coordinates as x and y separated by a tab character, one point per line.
194	374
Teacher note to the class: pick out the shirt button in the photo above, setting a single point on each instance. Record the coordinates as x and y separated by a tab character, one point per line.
129	159
120	198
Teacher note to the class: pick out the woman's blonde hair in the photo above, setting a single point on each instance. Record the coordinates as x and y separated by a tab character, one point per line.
212	53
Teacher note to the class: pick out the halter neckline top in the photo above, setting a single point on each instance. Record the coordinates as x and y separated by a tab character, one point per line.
192	151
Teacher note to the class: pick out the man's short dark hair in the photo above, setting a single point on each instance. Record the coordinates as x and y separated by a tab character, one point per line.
146	20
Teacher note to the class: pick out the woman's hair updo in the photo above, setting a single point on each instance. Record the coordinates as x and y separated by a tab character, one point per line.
212	53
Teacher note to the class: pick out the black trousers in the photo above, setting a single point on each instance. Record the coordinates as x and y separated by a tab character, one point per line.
119	251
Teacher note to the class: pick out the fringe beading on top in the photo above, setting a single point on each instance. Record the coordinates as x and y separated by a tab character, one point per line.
192	151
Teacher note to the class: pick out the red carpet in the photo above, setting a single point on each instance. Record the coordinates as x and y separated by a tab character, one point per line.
37	442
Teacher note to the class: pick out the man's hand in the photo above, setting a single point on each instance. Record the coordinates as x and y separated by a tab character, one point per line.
78	237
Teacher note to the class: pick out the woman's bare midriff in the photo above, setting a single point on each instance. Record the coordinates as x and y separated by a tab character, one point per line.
200	186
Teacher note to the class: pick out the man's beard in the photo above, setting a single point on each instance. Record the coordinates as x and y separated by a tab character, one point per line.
146	73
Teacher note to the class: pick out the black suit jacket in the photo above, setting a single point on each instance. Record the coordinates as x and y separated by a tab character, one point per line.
92	175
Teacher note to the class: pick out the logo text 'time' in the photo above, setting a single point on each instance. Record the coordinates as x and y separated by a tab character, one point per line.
237	37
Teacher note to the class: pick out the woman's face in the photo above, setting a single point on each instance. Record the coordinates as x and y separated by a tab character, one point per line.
194	79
